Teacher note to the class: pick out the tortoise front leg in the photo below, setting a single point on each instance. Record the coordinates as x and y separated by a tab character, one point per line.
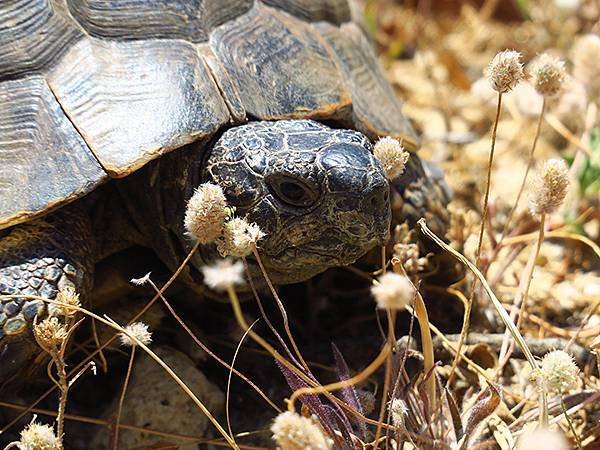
40	258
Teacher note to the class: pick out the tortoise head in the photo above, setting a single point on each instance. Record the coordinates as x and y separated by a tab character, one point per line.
318	193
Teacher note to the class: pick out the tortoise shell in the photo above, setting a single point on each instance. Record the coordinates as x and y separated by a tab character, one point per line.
95	89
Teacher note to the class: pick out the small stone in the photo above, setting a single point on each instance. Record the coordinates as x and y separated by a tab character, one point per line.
19	301
11	308
32	309
15	325
2	318
40	263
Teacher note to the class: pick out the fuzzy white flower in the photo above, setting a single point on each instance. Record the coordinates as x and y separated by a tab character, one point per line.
291	431
393	291
223	274
548	74
549	187
558	371
206	213
398	411
505	71
392	156
239	237
139	331
37	436
71	301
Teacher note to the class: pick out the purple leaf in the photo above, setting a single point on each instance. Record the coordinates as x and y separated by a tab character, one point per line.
348	394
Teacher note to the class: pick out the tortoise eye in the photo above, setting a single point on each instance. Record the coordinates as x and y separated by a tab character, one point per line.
292	192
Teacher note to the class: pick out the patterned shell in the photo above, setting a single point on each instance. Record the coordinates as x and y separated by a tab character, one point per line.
94	89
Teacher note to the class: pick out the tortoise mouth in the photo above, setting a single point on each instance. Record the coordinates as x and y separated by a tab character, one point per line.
299	263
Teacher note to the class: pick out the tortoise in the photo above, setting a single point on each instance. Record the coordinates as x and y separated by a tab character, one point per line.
111	113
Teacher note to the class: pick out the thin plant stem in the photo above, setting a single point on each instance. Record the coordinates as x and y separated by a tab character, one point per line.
286	323
520	300
111	323
358	378
514	331
484	213
391	318
62	402
115	436
229	376
426	340
524	182
314	388
199	343
108	342
570	422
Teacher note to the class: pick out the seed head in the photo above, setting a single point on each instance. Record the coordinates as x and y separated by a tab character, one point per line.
50	334
239	237
393	291
141	281
70	297
291	431
505	71
398	411
558	371
548	75
549	188
392	156
36	436
223	274
543	439
206	213
139	331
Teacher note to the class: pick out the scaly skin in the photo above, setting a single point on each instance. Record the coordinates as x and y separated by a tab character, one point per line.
39	258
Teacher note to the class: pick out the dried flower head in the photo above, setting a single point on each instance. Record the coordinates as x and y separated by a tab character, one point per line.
398	411
549	187
206	213
585	56
558	371
543	439
36	436
137	330
141	281
505	71
392	156
291	431
239	237
406	250
70	298
223	274
393	291
548	75
50	334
